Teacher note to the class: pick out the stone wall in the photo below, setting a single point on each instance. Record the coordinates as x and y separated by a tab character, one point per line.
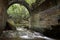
45	15
3	14
50	16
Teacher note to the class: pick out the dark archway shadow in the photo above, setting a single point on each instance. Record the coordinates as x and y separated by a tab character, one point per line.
54	33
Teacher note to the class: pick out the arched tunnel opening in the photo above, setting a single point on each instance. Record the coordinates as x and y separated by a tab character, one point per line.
43	22
54	33
18	16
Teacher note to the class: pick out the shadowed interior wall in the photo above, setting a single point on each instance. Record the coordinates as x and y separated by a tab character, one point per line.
3	14
45	15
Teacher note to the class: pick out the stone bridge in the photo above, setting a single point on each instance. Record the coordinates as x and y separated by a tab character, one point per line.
43	14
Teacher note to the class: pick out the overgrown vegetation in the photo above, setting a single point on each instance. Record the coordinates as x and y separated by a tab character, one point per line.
18	15
30	2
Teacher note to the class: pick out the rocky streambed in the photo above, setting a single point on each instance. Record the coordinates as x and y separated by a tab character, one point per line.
22	34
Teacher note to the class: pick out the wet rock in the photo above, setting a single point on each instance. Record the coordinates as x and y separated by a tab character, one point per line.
54	33
23	34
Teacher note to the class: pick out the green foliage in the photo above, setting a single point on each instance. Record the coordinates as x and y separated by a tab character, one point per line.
30	2
18	13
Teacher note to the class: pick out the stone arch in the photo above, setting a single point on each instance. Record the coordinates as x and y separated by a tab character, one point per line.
3	10
26	5
22	2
